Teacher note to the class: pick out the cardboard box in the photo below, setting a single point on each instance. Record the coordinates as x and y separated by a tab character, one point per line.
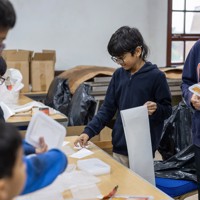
6	52
50	51
42	71
104	135
77	130
19	60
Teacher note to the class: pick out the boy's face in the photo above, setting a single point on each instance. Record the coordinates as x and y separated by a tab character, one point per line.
15	183
129	61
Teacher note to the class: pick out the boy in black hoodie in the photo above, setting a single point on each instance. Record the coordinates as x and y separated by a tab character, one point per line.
136	83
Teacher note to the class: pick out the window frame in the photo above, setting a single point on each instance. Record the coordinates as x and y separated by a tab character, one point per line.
178	37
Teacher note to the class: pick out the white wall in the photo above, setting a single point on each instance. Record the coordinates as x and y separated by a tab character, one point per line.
79	30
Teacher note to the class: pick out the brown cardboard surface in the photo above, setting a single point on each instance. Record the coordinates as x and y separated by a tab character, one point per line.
77	130
23	67
42	71
5	52
79	74
172	72
44	56
50	51
19	60
105	134
20	55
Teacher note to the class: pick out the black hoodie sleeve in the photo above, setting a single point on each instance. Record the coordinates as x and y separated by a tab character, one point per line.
1	115
105	113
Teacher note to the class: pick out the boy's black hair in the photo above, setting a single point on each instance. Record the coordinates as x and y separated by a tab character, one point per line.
10	142
7	14
3	66
126	40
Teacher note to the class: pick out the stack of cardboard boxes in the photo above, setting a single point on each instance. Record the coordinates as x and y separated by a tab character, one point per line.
37	69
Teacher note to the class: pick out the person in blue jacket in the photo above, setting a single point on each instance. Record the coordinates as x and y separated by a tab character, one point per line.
138	82
42	168
13	168
190	76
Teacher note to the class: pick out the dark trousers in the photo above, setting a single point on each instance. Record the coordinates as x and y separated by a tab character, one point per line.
197	162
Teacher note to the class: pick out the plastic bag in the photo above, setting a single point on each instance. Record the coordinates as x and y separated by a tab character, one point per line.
177	131
59	96
11	87
179	166
82	106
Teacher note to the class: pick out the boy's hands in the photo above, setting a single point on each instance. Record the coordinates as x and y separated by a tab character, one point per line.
43	146
82	140
195	101
151	107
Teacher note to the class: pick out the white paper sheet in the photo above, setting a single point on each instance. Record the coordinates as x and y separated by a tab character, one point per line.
27	106
82	153
41	125
12	109
6	110
137	132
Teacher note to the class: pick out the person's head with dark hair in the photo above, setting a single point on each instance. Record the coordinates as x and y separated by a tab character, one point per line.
7	20
12	167
3	66
7	15
127	43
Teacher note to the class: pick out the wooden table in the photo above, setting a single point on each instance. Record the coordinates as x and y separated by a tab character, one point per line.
24	120
36	96
129	182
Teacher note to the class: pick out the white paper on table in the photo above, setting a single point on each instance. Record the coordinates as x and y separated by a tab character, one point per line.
137	132
82	153
27	106
30	105
8	112
65	143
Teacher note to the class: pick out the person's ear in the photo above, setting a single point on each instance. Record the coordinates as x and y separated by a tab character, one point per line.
138	51
3	190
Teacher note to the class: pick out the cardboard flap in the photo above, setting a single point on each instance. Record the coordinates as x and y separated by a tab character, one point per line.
172	72
50	51
30	52
6	52
13	55
44	56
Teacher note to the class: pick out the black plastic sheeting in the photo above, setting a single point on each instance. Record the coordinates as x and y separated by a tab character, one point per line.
177	131
79	108
176	146
82	106
179	166
59	96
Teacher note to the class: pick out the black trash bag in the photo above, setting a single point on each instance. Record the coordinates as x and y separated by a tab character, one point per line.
59	96
179	166
177	131
82	106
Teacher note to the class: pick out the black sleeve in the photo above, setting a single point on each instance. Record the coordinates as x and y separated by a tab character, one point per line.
1	115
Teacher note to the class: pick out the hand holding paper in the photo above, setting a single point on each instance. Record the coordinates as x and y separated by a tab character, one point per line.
43	147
